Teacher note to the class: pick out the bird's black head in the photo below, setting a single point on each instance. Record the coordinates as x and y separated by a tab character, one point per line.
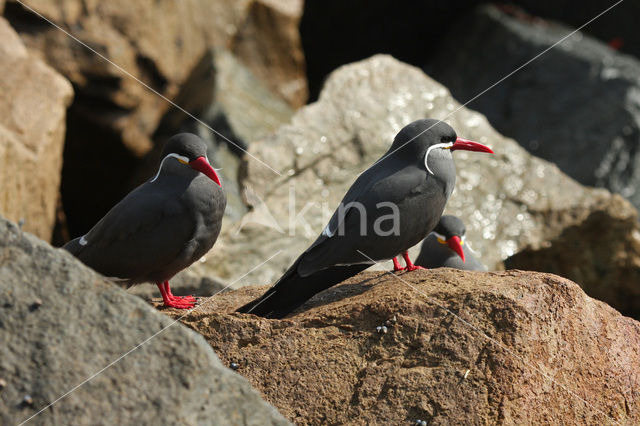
191	151
450	231
450	226
186	145
418	136
430	140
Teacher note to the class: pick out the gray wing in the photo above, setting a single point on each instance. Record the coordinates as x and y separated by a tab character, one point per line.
144	231
341	248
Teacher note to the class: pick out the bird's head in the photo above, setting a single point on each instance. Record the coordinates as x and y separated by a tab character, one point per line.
189	150
450	231
432	140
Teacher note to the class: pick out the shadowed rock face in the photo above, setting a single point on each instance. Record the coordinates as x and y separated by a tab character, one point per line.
577	105
601	252
328	364
507	200
33	103
60	323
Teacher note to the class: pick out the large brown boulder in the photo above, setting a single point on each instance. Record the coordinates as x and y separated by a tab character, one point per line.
600	251
508	200
68	333
33	103
459	348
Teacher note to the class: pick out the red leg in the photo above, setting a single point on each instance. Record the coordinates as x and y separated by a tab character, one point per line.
170	300
396	265
410	265
167	289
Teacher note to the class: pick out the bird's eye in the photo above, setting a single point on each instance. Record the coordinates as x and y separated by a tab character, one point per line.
181	158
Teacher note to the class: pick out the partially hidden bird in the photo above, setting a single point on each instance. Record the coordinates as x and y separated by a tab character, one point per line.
446	247
162	226
390	207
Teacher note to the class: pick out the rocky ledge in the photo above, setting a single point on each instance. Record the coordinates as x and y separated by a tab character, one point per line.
440	346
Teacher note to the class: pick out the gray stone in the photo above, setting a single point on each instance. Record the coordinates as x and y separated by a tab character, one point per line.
61	324
507	200
577	105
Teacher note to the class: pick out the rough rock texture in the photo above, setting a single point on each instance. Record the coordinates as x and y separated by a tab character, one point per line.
577	105
268	41
601	252
33	103
507	200
553	348
60	323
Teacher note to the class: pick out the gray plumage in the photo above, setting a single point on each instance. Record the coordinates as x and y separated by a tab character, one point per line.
162	226
437	254
417	175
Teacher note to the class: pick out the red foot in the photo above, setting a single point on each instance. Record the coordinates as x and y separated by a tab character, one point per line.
178	302
396	265
410	266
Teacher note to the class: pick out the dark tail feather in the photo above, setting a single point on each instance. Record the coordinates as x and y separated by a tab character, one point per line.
292	290
73	246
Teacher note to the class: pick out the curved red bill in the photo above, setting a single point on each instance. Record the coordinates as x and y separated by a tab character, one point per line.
202	165
455	244
467	145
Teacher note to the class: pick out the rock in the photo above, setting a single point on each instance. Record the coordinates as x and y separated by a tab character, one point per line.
601	252
190	281
614	27
580	100
83	324
507	200
531	350
33	103
268	41
159	43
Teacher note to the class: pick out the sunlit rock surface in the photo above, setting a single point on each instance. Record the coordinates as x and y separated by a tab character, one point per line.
525	348
33	104
507	200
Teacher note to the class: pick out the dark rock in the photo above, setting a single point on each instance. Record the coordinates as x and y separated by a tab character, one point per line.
576	105
85	324
600	251
533	349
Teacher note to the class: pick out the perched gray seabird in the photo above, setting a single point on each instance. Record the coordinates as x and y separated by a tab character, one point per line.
162	226
445	247
390	207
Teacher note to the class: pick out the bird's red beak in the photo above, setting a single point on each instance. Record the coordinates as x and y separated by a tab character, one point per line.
202	165
455	244
467	145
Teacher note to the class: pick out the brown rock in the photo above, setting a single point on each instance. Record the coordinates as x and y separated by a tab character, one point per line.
268	41
527	348
600	251
33	103
157	42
